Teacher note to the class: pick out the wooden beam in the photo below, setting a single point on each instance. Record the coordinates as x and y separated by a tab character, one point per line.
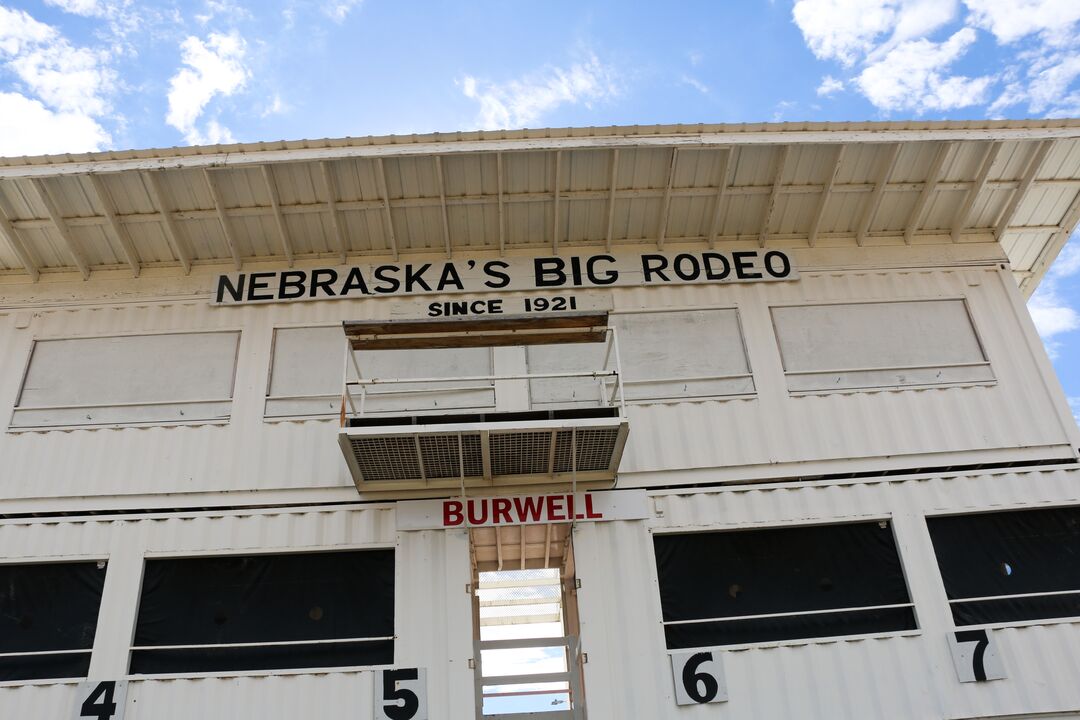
826	193
172	232
661	230
555	205
877	193
502	219
612	187
11	235
933	177
60	226
721	189
1052	246
1033	167
384	197
778	176
279	216
985	163
101	194
442	199
223	219
331	202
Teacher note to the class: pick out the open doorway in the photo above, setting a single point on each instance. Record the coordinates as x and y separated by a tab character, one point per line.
526	631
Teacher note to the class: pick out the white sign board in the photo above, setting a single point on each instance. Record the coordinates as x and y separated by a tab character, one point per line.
100	699
401	694
975	656
561	274
537	509
699	677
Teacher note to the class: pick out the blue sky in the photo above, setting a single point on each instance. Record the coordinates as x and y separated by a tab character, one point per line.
80	75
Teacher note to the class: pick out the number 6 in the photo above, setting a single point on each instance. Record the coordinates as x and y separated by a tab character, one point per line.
699	678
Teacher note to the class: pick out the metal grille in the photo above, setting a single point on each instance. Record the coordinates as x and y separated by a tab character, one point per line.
520	453
440	454
387	458
594	449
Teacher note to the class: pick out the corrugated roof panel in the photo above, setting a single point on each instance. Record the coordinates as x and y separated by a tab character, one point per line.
640	219
963	163
585	170
697	168
585	221
528	223
475	174
754	166
1045	203
150	242
419	227
474	227
893	212
913	162
988	208
1012	160
941	210
794	212
412	177
690	216
528	172
644	168
1062	161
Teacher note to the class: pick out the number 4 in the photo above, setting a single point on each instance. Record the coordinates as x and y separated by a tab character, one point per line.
101	699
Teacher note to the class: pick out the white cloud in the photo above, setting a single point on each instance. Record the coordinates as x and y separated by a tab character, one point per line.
781	109
226	8
1053	315
27	127
523	102
850	30
695	83
912	76
61	87
276	106
1074	403
829	86
213	67
86	8
1010	20
338	10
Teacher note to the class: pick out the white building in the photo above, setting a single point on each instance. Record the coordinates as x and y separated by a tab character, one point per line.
651	422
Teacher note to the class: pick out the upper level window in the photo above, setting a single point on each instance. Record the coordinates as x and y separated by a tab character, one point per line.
1010	566
263	612
665	355
746	586
306	376
879	344
48	618
183	377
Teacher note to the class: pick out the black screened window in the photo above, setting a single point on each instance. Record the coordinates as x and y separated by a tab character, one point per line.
265	612
746	586
1010	566
48	617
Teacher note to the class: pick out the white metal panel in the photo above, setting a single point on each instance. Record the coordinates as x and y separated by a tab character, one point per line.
895	675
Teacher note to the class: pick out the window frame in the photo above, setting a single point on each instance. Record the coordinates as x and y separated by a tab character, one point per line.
964	299
778	525
36	339
259	551
55	560
1007	508
333	414
662	399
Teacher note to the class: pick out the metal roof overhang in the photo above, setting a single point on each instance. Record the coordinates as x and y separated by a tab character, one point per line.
777	185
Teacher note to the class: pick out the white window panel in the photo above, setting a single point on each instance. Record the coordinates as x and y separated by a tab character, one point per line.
665	355
879	344
305	376
184	377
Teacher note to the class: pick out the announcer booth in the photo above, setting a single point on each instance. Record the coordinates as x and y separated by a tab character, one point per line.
650	422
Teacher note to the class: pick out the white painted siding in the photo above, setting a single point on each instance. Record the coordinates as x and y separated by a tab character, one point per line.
899	675
1021	416
434	635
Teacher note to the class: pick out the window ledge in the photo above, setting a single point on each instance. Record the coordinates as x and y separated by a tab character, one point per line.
891	388
832	640
115	426
344	670
1021	624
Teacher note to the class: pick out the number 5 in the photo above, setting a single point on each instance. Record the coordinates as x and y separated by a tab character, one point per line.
699	678
103	700
401	694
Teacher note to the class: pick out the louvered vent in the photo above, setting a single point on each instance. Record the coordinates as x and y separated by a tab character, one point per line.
423	455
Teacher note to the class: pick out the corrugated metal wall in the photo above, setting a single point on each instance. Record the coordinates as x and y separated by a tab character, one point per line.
434	635
773	434
898	675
